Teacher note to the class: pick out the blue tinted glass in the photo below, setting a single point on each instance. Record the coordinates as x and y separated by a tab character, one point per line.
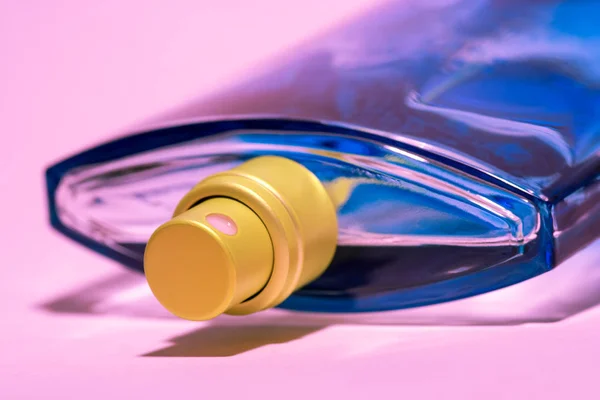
467	131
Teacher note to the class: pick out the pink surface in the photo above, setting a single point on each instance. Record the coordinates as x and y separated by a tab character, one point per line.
77	326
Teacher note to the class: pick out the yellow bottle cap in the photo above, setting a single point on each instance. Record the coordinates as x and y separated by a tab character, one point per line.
242	240
215	255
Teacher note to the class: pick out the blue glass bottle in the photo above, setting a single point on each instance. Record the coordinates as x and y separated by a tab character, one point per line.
466	133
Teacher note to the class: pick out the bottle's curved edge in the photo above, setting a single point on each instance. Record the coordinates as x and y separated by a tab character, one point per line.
454	289
149	137
53	176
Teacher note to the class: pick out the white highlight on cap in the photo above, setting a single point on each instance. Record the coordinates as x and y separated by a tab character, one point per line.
222	223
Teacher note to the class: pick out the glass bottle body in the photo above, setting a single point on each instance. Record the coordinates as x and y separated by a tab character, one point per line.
459	140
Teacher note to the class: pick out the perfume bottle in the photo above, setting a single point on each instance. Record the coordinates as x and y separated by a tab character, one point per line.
430	151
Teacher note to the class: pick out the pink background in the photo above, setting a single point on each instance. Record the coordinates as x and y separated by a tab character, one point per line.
74	325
